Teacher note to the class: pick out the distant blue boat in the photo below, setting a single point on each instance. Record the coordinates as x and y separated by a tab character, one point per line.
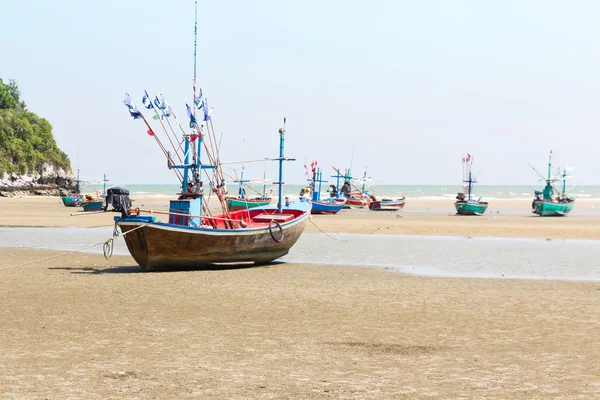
331	205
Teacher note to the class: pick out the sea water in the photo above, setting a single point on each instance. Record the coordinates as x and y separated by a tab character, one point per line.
418	192
448	256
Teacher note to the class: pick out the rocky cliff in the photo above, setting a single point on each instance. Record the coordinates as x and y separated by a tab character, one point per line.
51	181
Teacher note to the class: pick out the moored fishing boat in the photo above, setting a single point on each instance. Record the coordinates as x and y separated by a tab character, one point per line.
331	205
355	197
76	198
468	205
387	204
243	202
235	203
95	203
193	236
552	202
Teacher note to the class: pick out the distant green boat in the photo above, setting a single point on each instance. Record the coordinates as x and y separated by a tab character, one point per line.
235	203
475	208
73	200
467	205
242	202
549	209
552	202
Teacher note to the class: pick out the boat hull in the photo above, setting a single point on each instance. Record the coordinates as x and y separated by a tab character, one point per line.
160	245
356	203
387	205
92	205
326	207
550	209
239	204
465	208
71	201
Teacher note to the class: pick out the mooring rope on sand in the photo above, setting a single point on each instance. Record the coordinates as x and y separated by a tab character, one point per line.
107	247
325	233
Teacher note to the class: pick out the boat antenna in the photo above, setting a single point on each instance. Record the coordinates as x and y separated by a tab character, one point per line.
549	166
351	158
195	46
281	159
537	172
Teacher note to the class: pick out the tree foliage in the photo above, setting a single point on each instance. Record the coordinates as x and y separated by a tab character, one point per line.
26	140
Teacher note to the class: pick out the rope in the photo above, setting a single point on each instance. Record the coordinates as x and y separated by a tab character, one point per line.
107	247
51	257
325	233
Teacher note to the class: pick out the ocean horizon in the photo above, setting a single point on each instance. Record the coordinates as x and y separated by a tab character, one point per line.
418	192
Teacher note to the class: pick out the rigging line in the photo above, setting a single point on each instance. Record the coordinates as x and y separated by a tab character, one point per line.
175	136
325	233
165	153
245	161
166	132
73	251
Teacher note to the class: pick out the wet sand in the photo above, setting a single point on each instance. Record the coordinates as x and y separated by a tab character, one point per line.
78	326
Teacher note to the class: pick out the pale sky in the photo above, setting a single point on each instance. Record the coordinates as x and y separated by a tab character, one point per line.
414	84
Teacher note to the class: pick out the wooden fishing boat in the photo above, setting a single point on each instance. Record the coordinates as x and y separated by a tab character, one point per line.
73	200
235	203
550	209
93	205
95	202
468	205
194	238
387	204
242	202
356	200
355	197
329	206
76	198
258	235
553	202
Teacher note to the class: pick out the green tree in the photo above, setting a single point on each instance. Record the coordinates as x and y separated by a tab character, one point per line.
26	140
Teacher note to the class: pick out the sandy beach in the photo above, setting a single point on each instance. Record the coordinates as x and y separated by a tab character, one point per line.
79	326
419	217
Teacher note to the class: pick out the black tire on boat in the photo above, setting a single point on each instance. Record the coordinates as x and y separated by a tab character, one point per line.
273	222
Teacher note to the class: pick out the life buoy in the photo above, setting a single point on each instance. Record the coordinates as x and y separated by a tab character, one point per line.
278	225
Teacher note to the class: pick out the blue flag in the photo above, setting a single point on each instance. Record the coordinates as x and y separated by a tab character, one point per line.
207	110
146	101
133	110
199	101
164	106
168	111
160	104
191	115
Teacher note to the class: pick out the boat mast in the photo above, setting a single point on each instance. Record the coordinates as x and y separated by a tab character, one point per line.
364	180
77	188
281	159
241	182
337	177
104	180
470	184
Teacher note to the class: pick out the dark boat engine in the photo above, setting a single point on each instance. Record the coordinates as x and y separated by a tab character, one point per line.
119	199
